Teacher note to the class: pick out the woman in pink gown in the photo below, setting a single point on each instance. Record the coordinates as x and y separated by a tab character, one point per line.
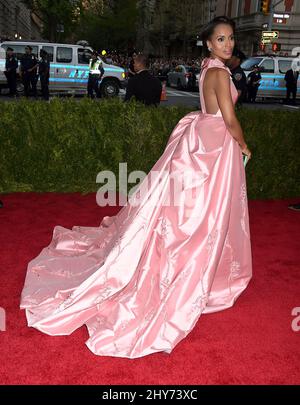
141	280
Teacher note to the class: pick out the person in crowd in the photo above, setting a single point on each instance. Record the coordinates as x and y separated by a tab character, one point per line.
291	79
96	72
11	66
238	74
253	83
192	79
44	74
131	71
143	86
28	71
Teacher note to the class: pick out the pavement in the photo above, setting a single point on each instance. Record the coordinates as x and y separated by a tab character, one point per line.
192	99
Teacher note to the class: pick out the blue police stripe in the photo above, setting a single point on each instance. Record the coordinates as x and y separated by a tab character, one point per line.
271	88
83	67
272	76
77	67
67	80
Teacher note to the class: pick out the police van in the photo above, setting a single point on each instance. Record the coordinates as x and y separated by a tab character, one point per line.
272	70
69	67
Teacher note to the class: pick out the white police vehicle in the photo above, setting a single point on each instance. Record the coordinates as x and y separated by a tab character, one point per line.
69	67
272	70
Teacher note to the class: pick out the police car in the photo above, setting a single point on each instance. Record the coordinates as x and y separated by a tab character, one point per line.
69	67
272	70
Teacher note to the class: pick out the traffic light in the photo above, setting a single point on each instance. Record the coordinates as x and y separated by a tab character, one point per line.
265	6
276	47
262	47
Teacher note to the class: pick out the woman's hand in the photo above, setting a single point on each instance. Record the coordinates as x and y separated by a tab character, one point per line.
246	151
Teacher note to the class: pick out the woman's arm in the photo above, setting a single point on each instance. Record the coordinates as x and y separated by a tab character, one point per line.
223	94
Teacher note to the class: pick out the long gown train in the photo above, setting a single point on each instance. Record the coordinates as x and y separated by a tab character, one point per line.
141	280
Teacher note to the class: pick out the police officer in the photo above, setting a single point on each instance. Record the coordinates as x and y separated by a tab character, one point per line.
253	83
96	72
44	74
11	66
291	79
238	75
29	76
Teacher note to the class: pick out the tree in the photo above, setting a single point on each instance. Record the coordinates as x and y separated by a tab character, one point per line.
175	24
109	24
58	16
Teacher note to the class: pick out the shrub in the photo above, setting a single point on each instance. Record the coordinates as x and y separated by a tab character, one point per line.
61	146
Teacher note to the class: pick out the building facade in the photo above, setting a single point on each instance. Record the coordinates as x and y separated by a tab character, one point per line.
170	27
250	22
17	21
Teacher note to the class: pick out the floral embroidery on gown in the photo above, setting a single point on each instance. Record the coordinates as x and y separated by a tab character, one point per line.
141	280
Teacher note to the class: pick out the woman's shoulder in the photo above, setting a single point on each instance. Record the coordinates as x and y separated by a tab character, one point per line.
217	73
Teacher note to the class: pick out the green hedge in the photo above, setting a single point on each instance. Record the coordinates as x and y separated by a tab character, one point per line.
62	145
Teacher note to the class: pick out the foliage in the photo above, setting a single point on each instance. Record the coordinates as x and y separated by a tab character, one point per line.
55	13
62	146
112	27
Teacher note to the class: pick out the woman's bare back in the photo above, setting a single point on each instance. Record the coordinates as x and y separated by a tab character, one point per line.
209	92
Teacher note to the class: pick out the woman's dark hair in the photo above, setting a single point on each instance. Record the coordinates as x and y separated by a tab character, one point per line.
209	30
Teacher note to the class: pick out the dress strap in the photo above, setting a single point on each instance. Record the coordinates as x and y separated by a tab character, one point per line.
206	64
213	62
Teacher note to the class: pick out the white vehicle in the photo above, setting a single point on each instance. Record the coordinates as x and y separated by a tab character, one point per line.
272	70
179	77
69	68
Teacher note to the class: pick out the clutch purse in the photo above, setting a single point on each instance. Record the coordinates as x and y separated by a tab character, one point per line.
245	160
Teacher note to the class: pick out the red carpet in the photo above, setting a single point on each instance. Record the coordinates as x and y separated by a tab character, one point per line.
251	343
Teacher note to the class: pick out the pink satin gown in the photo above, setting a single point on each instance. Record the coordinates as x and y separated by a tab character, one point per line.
141	280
